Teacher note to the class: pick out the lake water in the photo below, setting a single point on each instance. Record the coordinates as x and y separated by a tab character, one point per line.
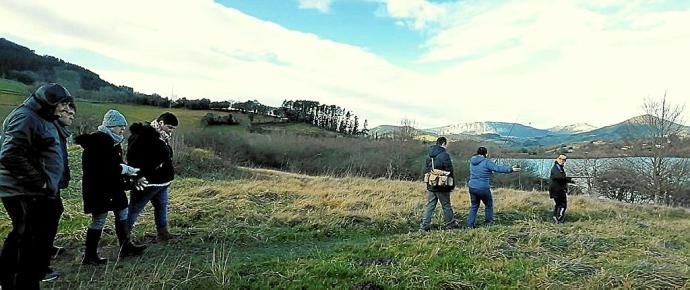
573	166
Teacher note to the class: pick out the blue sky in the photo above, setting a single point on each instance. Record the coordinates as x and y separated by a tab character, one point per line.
538	62
359	23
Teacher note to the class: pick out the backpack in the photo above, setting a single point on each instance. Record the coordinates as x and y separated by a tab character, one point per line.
437	177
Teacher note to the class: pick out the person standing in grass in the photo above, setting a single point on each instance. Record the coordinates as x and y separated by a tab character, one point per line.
149	149
103	185
439	159
66	118
558	189
481	170
31	166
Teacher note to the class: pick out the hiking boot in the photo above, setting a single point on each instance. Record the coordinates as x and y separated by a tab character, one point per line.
91	251
50	275
453	225
164	235
127	248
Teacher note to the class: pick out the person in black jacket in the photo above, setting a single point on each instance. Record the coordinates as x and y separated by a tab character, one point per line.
558	189
439	159
65	119
103	185
31	166
149	149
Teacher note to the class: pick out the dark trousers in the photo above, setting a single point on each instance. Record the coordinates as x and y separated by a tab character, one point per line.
561	203
477	195
56	212
432	199
25	258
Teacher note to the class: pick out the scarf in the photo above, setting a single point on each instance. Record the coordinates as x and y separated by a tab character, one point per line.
164	135
117	138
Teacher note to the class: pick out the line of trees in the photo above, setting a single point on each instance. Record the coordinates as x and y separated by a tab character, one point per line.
330	117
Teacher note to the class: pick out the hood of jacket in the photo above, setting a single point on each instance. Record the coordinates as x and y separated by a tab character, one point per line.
476	159
435	150
94	139
144	130
44	111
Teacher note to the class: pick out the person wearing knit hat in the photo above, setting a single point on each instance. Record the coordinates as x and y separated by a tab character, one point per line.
114	125
113	118
103	185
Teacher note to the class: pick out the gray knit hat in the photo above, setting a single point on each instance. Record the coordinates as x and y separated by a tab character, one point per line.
114	118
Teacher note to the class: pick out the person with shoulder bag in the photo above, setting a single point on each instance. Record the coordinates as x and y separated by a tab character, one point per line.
440	182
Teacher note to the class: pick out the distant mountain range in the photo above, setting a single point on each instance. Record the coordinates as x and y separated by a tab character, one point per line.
517	134
572	129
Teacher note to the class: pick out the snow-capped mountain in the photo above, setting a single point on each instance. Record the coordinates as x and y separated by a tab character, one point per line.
500	128
573	129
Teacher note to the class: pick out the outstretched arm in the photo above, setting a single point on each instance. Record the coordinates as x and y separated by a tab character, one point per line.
498	168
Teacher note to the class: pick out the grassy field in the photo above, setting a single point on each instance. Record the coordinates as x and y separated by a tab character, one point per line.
270	229
283	230
189	119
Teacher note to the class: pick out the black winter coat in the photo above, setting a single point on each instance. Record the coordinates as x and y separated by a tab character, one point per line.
442	161
30	154
66	176
149	153
103	186
558	186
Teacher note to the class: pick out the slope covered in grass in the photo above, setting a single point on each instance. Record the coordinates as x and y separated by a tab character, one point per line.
284	230
13	93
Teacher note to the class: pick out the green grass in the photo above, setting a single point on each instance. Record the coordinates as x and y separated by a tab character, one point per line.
283	230
273	229
189	119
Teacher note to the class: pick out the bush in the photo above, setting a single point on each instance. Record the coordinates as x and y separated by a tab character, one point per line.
341	156
202	163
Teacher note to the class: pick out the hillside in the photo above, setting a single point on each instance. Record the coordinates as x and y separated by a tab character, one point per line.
385	131
12	93
278	230
634	126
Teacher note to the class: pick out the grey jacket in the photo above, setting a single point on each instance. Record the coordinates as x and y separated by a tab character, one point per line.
31	158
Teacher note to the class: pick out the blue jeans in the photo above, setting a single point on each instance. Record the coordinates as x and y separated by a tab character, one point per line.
158	195
98	219
483	195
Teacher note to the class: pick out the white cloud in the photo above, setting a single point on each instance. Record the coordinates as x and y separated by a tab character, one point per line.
562	62
416	14
541	62
203	49
323	6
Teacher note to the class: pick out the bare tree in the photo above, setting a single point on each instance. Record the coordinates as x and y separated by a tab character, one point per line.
406	131
662	175
589	168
